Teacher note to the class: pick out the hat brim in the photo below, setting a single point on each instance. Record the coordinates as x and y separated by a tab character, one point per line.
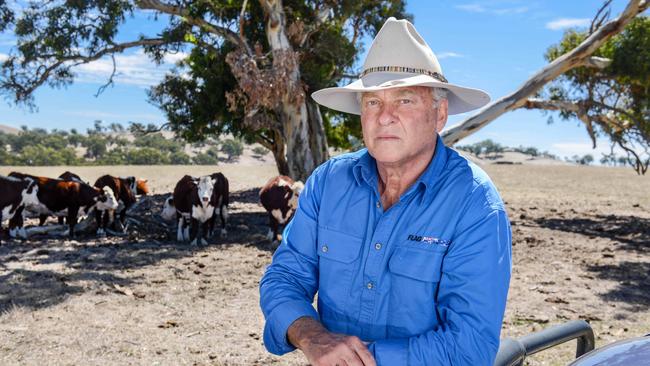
461	99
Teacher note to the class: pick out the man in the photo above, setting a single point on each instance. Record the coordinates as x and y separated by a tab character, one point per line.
407	244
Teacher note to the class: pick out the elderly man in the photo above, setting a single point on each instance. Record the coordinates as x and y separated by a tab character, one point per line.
407	243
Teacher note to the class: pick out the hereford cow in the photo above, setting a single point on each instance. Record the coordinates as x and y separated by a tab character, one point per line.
67	175
279	196
124	190
16	193
56	195
222	198
195	204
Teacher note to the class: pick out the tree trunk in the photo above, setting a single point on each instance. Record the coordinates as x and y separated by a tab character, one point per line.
302	124
278	149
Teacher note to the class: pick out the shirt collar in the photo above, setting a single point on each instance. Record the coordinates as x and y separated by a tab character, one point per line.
365	170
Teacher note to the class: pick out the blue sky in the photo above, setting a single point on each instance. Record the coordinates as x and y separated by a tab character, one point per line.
494	45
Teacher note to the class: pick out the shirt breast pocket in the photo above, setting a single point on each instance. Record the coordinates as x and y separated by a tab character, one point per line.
338	262
415	274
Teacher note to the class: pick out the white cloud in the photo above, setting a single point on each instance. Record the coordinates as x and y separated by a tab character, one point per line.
96	114
517	10
582	148
3	57
479	8
473	8
132	69
564	23
442	55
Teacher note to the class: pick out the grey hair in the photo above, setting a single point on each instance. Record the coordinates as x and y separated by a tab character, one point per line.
438	95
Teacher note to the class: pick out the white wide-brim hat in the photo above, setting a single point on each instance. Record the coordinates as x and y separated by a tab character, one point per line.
399	57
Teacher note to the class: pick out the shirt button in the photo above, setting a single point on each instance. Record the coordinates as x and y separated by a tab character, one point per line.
378	246
325	249
378	204
369	285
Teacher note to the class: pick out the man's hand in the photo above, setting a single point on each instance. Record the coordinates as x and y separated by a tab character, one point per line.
323	348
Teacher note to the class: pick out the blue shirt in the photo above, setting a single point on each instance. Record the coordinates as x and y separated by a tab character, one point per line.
425	282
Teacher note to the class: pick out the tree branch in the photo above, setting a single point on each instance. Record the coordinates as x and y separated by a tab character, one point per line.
22	92
576	108
556	68
226	33
595	62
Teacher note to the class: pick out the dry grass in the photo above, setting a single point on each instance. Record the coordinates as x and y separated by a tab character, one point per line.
581	240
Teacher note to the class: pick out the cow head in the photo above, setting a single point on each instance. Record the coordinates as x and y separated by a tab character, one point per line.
205	188
141	187
30	192
105	200
169	211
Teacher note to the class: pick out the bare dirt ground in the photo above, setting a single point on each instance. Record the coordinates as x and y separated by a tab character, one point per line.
581	239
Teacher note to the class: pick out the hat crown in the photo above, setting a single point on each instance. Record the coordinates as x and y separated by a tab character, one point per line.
399	44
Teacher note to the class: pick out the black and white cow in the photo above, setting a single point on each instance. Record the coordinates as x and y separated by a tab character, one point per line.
15	193
279	196
195	205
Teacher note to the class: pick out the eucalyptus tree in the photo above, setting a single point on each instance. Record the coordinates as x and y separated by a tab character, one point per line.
250	68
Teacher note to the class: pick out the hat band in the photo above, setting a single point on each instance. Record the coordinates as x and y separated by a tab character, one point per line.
412	70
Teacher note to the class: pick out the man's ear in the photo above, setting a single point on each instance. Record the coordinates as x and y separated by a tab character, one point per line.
442	114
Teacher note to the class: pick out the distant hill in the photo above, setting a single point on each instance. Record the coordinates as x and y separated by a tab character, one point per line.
8	129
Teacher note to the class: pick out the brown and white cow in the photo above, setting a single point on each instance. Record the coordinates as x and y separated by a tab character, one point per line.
16	193
124	190
195	205
221	196
67	175
279	196
56	195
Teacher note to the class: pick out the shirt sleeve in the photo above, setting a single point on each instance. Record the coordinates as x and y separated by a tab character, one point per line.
290	282
471	298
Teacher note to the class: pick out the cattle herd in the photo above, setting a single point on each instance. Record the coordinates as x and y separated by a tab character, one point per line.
198	205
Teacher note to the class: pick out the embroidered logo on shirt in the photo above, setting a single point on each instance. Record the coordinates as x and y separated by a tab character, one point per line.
428	240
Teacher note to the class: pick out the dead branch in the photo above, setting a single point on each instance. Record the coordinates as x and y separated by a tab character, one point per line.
562	64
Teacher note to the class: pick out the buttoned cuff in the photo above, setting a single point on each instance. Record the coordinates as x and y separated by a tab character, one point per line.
390	352
278	322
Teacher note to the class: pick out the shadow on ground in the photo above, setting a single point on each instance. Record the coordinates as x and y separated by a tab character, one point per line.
633	233
633	287
43	272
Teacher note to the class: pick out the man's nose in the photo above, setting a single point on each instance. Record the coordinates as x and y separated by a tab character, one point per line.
387	115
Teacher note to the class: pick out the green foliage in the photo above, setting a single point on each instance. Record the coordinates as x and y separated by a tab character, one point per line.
210	157
232	148
616	98
486	147
260	151
582	160
42	155
159	142
147	156
95	146
179	158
